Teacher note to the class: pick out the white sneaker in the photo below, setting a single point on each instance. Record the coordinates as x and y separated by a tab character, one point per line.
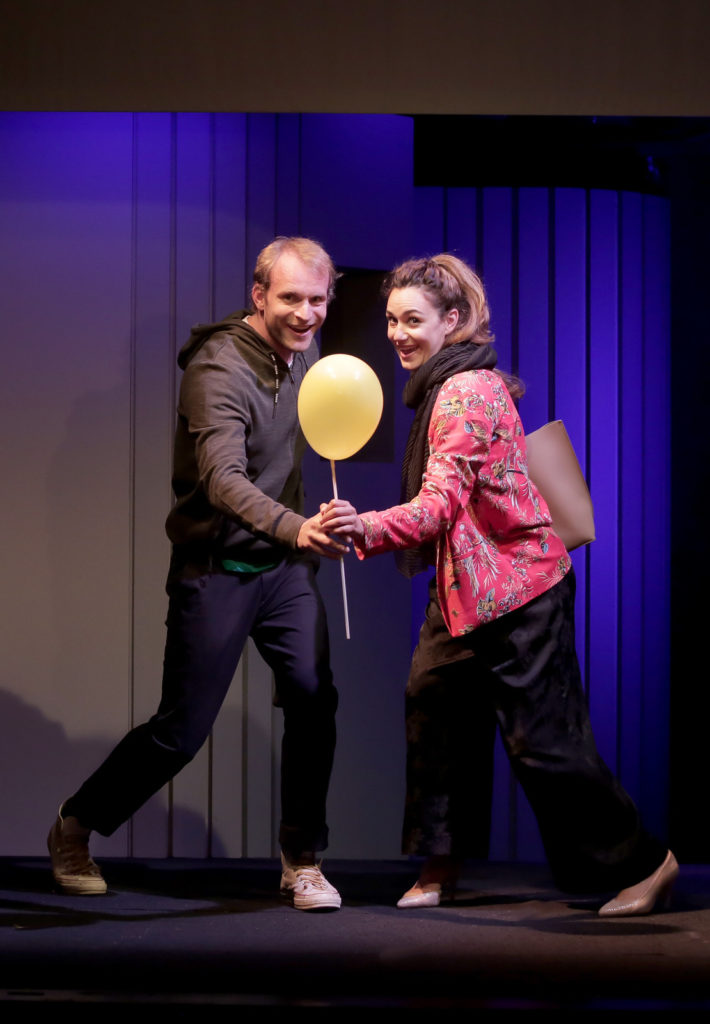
73	869
307	888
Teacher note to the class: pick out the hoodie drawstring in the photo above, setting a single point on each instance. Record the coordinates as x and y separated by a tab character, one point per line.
277	383
277	380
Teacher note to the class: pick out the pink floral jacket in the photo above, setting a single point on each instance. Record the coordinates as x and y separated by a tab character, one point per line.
495	548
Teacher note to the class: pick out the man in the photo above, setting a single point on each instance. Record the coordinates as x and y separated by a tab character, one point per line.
243	563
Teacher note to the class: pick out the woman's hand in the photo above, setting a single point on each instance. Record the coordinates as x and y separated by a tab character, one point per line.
341	518
314	537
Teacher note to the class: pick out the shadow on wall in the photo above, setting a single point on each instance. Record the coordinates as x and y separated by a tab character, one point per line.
40	766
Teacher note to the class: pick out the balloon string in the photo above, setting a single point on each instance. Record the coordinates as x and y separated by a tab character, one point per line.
342	563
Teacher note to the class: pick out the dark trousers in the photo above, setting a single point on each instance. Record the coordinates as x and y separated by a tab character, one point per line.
210	617
520	673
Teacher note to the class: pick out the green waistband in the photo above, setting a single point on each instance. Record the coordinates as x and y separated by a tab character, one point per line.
246	567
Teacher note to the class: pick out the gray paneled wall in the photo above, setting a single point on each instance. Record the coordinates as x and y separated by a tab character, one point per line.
118	233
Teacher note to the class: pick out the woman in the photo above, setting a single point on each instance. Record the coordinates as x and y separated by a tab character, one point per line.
497	645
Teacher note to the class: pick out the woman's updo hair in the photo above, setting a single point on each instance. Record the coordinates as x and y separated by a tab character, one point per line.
450	284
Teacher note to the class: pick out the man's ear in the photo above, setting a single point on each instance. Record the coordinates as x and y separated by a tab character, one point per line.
257	296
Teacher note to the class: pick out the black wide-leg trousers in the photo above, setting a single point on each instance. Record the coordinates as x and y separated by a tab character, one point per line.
210	617
519	673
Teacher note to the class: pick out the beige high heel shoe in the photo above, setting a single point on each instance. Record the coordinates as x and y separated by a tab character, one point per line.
645	896
436	884
426	896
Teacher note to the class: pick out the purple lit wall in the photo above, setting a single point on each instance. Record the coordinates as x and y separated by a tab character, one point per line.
118	232
579	288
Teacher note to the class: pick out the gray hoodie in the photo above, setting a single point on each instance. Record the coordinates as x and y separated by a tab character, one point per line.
238	444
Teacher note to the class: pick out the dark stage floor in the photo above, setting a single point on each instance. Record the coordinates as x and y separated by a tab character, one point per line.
199	935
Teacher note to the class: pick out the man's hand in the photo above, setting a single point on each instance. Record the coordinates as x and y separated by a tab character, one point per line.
313	537
341	518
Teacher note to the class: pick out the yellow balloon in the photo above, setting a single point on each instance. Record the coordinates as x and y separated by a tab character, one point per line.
339	405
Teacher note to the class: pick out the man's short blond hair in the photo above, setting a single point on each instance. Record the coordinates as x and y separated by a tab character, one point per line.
312	253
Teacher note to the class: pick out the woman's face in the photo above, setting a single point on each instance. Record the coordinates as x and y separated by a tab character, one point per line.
415	327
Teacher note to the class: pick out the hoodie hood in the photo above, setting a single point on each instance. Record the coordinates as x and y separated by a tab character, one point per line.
234	323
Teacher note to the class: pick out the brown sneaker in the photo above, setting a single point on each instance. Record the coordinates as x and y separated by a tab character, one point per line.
73	869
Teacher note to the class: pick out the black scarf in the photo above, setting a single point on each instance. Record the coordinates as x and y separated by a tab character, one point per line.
420	393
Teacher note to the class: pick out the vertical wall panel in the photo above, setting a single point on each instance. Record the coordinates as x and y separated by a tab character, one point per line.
570	353
261	188
461	236
356	193
256	694
231	275
154	373
655	513
431	229
227	782
261	754
631	447
288	174
533	346
65	416
603	469
429	205
496	268
533	313
195	302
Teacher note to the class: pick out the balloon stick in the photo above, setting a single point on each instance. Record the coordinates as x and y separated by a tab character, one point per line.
342	563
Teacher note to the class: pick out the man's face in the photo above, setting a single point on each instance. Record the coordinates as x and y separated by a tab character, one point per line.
292	308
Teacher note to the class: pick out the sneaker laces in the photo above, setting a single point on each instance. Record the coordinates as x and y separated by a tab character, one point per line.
311	875
75	856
